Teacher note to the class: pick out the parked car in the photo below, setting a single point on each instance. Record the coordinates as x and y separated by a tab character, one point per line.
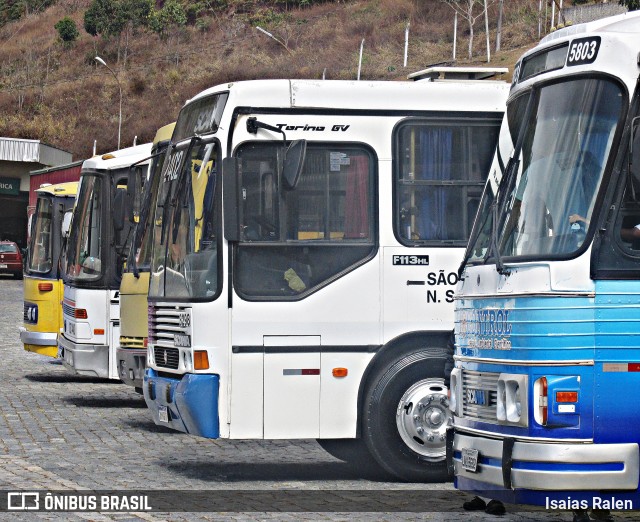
10	259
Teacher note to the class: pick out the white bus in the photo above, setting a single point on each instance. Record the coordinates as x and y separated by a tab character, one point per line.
98	244
303	233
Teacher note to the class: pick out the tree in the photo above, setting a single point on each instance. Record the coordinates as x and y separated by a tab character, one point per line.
67	30
172	14
105	18
632	5
466	8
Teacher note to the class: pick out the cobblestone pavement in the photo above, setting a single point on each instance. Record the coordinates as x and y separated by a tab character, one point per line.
59	431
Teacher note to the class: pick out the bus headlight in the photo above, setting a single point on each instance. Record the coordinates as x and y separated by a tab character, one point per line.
455	392
512	400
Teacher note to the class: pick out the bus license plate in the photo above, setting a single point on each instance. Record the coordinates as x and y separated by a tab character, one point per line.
71	328
470	459
163	413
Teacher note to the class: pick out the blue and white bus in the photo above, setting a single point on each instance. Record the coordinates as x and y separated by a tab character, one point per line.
547	358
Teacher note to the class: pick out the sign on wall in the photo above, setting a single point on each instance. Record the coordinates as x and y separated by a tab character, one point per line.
10	186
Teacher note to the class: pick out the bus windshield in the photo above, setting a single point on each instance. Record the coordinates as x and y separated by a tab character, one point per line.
40	257
546	197
140	251
83	254
185	263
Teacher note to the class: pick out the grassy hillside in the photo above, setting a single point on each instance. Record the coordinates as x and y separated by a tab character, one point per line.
57	93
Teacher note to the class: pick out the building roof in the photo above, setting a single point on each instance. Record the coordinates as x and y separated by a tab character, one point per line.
32	151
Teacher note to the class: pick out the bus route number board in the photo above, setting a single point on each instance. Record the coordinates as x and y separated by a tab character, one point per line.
470	459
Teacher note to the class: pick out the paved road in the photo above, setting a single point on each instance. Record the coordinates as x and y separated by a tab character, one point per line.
59	432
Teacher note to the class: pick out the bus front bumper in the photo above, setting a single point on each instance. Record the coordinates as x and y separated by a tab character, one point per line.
511	464
84	359
131	365
44	343
38	338
187	403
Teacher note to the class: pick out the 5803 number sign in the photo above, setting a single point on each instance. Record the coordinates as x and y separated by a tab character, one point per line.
583	51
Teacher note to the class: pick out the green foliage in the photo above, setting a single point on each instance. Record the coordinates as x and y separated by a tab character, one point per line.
67	30
104	18
11	10
109	17
171	15
138	11
632	5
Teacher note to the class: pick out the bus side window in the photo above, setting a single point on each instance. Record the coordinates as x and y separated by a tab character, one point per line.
439	177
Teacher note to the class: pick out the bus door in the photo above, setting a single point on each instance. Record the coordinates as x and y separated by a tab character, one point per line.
305	283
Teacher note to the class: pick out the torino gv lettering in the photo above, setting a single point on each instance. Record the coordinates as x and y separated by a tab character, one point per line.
486	329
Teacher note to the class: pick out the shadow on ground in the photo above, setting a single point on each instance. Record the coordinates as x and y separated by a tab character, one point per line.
64	378
114	402
145	423
272	471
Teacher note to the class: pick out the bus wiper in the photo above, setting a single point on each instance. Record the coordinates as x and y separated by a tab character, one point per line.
494	240
478	226
181	192
477	229
499	210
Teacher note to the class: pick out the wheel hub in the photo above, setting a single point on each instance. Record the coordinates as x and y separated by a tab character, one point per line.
423	416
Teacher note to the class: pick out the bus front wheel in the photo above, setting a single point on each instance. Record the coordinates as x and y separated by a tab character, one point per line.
406	416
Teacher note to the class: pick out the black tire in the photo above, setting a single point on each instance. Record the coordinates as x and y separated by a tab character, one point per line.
419	380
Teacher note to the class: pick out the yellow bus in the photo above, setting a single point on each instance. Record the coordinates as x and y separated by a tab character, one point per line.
132	350
43	286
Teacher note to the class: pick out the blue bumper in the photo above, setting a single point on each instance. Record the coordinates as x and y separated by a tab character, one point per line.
188	404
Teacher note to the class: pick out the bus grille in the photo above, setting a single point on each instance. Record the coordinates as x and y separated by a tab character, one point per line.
68	309
473	381
167	357
164	324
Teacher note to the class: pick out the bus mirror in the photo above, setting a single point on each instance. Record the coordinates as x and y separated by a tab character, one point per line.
134	191
293	163
66	224
119	209
231	203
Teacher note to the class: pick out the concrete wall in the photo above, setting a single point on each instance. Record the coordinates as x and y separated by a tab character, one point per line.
587	13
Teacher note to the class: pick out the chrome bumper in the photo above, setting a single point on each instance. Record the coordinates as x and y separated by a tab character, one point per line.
38	338
84	359
549	466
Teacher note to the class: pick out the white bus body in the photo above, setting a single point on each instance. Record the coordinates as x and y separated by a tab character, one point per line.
91	304
319	313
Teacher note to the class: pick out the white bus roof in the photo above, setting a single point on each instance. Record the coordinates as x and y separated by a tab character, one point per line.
118	158
614	47
363	95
